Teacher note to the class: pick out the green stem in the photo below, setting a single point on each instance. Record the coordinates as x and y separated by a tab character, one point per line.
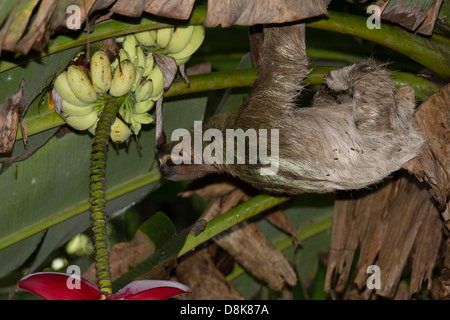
232	217
431	52
97	192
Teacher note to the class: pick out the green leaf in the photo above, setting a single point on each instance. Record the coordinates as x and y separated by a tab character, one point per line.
38	74
161	232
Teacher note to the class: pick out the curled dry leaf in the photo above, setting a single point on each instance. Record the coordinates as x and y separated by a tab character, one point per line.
11	112
199	273
416	15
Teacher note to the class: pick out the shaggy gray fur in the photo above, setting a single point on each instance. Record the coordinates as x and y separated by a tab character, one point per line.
348	142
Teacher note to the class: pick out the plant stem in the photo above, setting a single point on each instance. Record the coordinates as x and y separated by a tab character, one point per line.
232	217
97	192
431	52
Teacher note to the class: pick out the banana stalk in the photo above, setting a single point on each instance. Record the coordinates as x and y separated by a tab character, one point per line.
97	192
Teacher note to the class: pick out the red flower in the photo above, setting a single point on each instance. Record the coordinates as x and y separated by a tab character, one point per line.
61	286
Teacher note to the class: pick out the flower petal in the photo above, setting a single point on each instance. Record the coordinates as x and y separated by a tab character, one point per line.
59	286
150	290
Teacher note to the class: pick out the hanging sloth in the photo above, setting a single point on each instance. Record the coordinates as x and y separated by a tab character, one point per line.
350	139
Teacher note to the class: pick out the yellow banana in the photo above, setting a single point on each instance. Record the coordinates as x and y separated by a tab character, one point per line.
198	35
82	122
101	74
144	91
80	84
73	110
146	38
143	106
149	62
120	132
123	79
129	45
62	87
180	38
163	36
158	81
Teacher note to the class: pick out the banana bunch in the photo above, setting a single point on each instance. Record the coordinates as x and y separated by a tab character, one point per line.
178	42
133	78
83	97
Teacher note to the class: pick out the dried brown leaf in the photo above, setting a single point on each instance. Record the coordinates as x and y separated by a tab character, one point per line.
38	27
248	12
168	67
278	219
19	23
253	251
200	274
110	47
384	225
175	9
413	16
433	164
10	113
129	8
123	256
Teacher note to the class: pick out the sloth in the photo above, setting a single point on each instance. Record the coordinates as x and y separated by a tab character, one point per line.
357	131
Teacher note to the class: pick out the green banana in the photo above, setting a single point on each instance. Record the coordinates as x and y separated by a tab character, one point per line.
101	73
163	36
73	110
129	46
158	81
114	65
149	62
198	35
143	118
143	106
180	38
144	90
146	38
80	84
182	61
140	58
62	87
123	55
138	79
120	132
82	122
123	79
